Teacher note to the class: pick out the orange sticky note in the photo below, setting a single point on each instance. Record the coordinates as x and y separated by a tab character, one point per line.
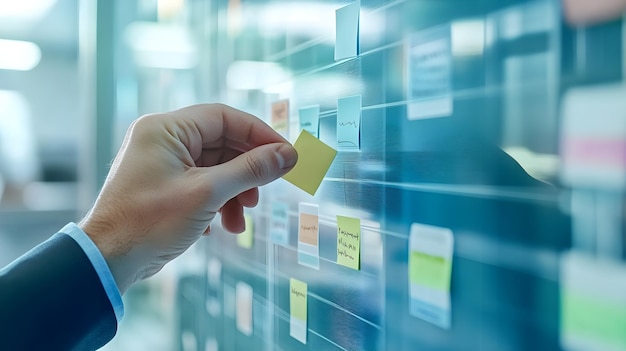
314	160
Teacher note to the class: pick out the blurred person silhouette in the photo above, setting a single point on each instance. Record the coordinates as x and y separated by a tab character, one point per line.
173	173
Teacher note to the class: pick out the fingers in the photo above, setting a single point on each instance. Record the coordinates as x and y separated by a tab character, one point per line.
232	212
581	12
232	217
251	169
249	198
216	121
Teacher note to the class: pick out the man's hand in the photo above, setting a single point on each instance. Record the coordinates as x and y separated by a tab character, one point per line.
173	173
586	12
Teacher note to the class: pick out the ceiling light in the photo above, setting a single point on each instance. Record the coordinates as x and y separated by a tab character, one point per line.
19	55
161	45
24	10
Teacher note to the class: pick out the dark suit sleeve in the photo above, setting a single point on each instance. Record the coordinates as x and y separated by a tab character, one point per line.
52	299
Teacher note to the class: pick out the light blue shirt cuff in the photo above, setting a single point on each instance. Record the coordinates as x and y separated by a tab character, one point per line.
100	265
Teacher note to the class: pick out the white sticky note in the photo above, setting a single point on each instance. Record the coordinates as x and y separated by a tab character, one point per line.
430	268
308	236
243	296
310	119
349	123
347	31
189	341
593	150
429	69
229	300
214	283
279	223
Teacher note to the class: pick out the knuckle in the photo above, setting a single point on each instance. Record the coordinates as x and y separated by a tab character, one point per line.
256	167
142	123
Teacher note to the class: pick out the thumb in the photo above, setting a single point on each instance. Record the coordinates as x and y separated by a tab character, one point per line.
256	167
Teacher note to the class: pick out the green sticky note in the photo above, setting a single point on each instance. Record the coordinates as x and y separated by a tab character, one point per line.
298	299
349	242
428	270
594	318
593	307
314	160
246	238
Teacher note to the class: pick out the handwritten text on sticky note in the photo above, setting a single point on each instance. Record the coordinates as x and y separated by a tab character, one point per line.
308	236
348	242
349	123
298	309
310	119
314	160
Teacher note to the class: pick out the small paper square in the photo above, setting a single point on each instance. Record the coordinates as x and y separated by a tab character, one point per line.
279	223
298	309
314	160
308	236
246	238
430	266
280	116
349	123
349	242
244	297
310	119
347	31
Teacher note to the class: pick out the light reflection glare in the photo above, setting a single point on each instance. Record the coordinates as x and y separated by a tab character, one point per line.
24	10
251	75
161	45
468	38
19	55
308	19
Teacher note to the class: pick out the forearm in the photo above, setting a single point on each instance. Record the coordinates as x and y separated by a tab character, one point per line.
53	298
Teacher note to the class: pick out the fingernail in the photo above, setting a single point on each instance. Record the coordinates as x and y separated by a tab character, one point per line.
286	156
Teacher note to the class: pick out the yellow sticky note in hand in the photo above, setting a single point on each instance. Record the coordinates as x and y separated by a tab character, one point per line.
314	160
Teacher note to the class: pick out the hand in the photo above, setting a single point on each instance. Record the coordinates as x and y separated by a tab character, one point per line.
173	173
585	12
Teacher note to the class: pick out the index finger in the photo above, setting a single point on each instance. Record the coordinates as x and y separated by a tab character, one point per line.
217	121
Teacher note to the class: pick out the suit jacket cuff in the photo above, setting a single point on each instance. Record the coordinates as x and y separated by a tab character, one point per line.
99	264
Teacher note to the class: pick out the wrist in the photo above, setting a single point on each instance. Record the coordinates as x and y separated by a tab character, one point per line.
106	239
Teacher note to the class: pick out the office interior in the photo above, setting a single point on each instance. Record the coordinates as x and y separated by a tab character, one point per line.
487	172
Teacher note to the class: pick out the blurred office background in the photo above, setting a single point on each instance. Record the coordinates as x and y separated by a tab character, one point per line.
527	168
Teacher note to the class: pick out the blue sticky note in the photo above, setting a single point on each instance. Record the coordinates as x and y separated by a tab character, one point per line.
310	119
349	123
279	223
347	31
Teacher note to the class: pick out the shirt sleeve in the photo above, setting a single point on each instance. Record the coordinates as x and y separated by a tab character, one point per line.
99	264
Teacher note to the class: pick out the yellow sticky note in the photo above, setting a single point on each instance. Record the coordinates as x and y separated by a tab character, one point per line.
298	309
349	242
246	238
314	160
